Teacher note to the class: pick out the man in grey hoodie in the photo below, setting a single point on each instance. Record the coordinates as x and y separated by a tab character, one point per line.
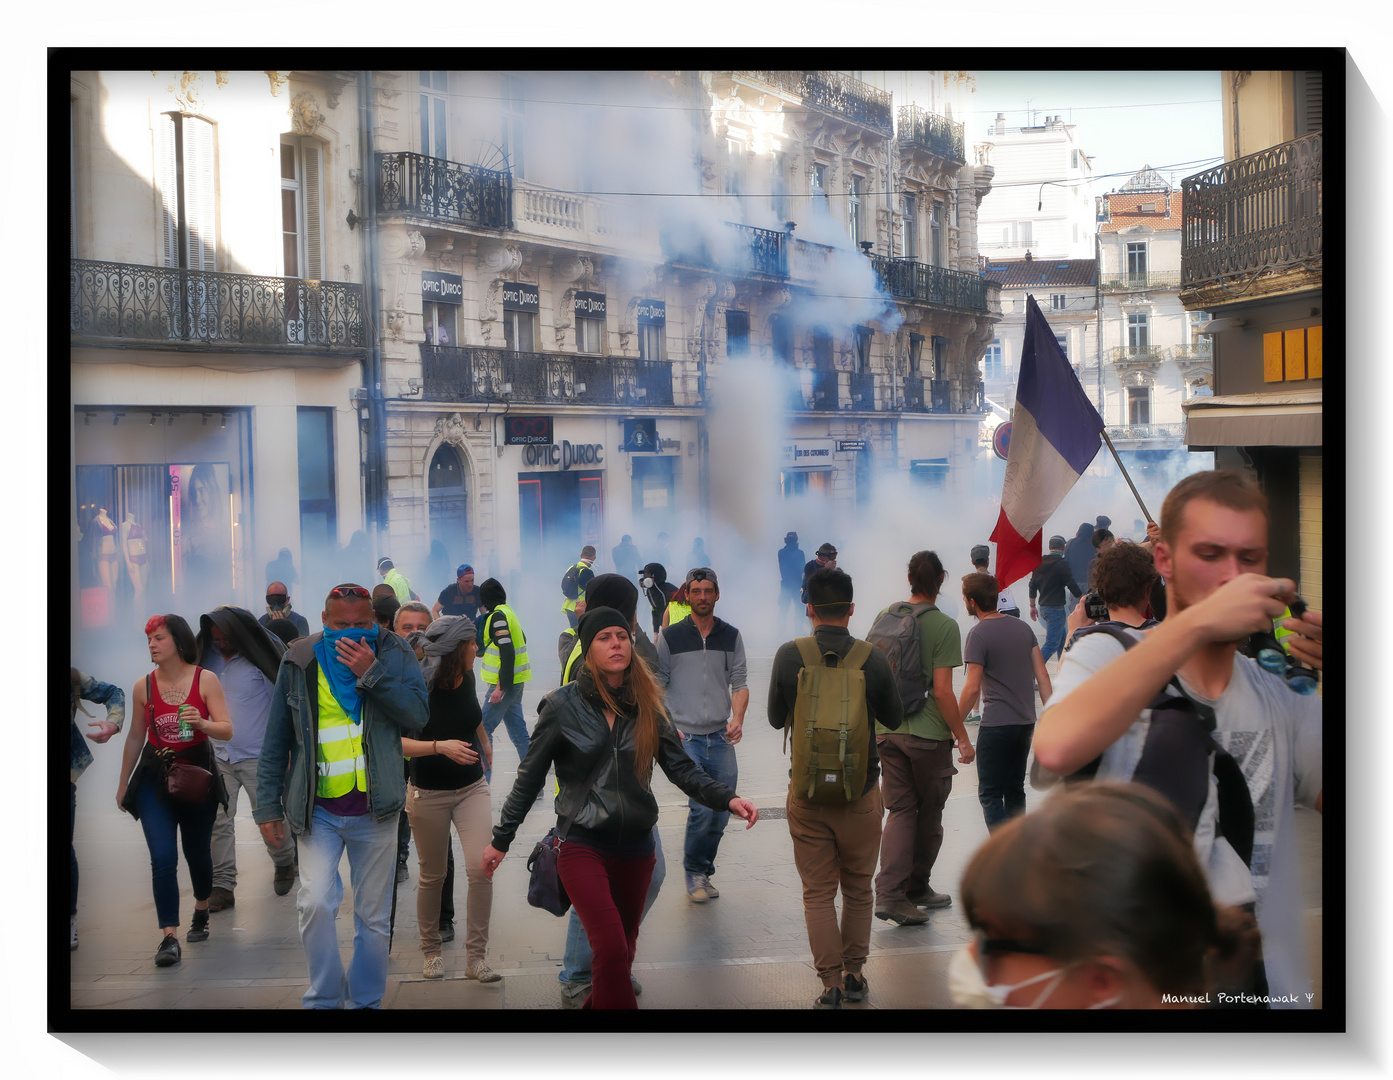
701	666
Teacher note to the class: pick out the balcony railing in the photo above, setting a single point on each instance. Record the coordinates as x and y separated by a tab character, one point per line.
443	190
1146	431
478	374
927	395
826	397
749	250
1196	353
833	92
1258	212
923	130
862	390
935	284
762	250
1149	279
1137	354
165	305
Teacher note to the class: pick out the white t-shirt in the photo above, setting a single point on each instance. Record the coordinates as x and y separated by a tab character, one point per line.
1275	736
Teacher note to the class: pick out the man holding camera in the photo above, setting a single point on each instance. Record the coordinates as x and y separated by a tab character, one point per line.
1213	554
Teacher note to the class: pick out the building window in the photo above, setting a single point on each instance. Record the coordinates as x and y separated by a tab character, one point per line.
854	210
72	178
1058	301
433	86
1136	263
916	352
781	337
439	321
778	201
1198	320
864	334
819	180
936	254
1139	331
652	343
940	348
590	335
822	348
1063	340
519	331
1074	159
911	227
185	146
991	361
514	123
1138	406
735	168
302	201
315	460
737	333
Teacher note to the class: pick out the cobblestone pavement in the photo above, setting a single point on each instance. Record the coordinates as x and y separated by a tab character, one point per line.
747	949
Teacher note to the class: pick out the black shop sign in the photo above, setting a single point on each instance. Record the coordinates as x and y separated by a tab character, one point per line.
518	296
528	431
652	312
590	305
438	288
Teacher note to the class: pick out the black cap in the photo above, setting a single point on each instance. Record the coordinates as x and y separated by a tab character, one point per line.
791	536
596	619
1056	542
980	554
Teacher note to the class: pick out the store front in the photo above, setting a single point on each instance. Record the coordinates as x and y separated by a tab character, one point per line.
806	467
561	500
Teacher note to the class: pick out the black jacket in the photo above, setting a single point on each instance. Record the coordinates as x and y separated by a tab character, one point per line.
572	734
1051	578
252	639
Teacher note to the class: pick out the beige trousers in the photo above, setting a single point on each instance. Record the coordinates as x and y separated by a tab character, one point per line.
431	813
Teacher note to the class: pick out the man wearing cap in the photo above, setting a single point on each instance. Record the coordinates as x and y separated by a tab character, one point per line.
1005	602
790	578
701	666
826	557
1049	580
461	598
583	575
278	607
393	577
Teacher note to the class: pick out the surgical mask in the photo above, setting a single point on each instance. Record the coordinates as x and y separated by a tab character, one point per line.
971	990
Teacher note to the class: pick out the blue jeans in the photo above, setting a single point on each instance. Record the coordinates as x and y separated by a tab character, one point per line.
1056	632
72	828
575	965
1002	753
160	818
509	710
372	849
704	825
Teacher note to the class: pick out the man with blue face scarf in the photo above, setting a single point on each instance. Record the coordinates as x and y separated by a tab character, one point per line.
342	701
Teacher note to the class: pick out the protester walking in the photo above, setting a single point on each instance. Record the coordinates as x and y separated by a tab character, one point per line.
85	688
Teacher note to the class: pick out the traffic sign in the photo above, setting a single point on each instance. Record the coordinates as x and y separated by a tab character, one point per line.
1001	440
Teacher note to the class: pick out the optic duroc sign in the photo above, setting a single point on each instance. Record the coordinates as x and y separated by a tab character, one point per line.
441	288
565	455
518	296
528	431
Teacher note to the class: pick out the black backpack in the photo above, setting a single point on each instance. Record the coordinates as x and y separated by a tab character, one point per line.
896	634
1175	758
570	583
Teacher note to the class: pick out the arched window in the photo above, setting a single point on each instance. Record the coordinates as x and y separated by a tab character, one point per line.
449	503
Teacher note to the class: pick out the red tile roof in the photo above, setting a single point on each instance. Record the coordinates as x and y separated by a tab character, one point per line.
1024	274
1123	210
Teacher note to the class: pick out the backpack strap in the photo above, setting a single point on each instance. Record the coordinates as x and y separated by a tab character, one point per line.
808	650
859	654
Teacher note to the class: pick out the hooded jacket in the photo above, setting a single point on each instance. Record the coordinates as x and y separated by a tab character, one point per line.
395	703
242	628
248	692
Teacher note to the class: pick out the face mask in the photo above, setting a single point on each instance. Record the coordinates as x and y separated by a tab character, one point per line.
353	633
971	991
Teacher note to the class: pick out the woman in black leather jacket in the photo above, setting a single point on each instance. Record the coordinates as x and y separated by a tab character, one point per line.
614	709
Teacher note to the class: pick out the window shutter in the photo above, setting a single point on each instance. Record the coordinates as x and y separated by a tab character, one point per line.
1309	87
167	182
200	189
313	203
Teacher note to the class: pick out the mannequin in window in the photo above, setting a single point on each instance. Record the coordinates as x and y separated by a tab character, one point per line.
106	548
134	547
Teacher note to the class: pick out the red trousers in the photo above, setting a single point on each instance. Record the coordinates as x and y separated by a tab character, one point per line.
608	894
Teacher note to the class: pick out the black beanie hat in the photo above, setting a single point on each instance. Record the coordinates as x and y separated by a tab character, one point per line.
491	592
614	591
596	619
657	572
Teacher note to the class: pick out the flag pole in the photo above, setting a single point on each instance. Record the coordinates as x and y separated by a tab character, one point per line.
1145	512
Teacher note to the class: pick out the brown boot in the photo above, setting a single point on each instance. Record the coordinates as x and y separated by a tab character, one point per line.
220	898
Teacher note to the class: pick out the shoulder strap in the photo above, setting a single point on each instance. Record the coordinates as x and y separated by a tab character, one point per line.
149	700
808	650
857	657
589	783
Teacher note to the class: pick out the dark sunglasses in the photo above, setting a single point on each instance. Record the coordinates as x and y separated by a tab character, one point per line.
343	592
277	597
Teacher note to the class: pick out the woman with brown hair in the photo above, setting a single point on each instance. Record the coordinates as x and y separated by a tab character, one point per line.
172	722
612	724
1093	901
448	785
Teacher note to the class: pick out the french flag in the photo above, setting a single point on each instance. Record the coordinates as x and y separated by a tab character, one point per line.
1055	434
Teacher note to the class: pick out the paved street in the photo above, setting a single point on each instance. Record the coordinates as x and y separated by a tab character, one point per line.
748	949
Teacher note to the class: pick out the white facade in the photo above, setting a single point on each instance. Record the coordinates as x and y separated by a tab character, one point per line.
1040	200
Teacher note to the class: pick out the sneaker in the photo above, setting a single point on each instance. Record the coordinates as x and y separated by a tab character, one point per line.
573	995
221	898
285	877
830	998
401	871
479	970
711	891
433	968
72	934
638	986
855	988
198	927
696	888
169	953
929	899
902	912
447	930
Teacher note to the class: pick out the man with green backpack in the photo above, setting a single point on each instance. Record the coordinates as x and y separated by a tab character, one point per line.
827	692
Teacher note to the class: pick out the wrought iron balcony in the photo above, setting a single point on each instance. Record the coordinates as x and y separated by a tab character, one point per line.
167	306
1260	212
762	250
935	284
444	191
825	394
1146	431
1137	355
832	92
862	391
1149	279
1199	353
478	374
937	135
927	395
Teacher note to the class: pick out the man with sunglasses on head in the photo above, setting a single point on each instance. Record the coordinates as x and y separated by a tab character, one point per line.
343	699
278	607
701	666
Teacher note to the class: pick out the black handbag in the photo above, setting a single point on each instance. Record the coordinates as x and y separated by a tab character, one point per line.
544	888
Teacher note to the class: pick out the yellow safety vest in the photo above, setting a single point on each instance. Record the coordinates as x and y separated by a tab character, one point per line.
493	659
567	604
339	752
677	612
571	662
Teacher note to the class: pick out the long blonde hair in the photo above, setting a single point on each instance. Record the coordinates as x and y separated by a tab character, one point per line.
650	709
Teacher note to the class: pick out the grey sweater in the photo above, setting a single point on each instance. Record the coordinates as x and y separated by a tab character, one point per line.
699	674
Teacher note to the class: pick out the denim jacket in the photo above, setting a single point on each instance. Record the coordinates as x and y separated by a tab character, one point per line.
394	704
86	688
